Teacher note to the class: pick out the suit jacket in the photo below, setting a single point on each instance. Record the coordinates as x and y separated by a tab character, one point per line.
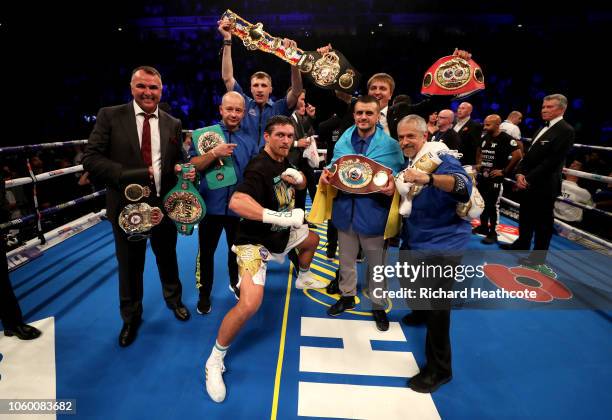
303	128
544	161
113	154
471	134
423	109
449	137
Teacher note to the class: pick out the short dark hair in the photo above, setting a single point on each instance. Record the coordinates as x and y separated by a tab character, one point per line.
147	69
368	99
402	99
261	75
277	120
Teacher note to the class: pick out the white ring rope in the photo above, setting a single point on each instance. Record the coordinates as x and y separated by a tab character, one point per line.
43	177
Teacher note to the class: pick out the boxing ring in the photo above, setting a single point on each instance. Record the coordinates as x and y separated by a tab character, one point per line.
291	360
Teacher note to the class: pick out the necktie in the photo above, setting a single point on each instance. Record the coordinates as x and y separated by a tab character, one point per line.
145	145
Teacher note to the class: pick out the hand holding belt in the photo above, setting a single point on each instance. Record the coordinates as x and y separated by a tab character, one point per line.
222	173
358	174
184	204
328	71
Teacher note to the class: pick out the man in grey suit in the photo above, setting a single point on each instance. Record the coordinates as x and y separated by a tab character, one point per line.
539	178
138	143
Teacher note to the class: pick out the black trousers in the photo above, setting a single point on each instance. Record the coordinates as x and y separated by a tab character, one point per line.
131	260
435	313
332	238
10	313
311	185
209	233
536	218
490	192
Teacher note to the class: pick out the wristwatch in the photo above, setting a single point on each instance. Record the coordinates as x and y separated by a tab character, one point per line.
431	180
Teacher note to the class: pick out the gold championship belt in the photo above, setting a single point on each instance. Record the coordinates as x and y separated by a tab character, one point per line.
135	220
453	75
358	174
135	192
184	204
328	71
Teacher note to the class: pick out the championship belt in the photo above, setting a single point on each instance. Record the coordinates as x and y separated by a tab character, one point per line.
358	174
453	75
135	192
328	71
135	220
184	204
222	173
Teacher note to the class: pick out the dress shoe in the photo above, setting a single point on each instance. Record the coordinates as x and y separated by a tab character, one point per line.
480	230
23	332
413	319
490	239
427	382
312	226
204	305
333	288
181	313
345	303
514	246
128	333
380	317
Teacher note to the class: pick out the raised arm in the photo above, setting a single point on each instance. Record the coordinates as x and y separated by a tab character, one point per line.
227	67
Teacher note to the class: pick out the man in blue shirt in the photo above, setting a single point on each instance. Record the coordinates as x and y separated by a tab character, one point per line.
241	147
436	236
361	218
258	108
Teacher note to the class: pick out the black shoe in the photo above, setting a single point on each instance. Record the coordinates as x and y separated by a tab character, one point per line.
181	312
514	246
529	262
382	322
333	288
128	333
427	382
330	253
204	305
480	230
360	256
490	239
413	319
312	226
345	303
23	332
235	291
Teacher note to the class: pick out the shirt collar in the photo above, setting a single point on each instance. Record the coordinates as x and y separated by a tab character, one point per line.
138	110
555	121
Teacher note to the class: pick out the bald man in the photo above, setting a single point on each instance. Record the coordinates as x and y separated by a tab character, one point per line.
470	132
241	146
445	133
496	158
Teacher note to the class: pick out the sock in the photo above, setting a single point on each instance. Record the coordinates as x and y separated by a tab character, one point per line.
218	351
303	271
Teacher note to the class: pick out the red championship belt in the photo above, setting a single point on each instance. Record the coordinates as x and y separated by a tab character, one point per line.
453	75
358	174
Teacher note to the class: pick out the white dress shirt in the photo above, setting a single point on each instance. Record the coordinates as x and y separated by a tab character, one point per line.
460	123
382	119
155	142
545	129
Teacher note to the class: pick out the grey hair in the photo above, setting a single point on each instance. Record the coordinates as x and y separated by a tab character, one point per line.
557	97
418	121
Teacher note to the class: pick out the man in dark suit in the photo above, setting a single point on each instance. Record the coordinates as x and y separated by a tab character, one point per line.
539	178
470	132
139	143
445	132
10	312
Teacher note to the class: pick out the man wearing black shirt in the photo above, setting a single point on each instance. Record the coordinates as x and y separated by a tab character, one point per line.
270	227
495	159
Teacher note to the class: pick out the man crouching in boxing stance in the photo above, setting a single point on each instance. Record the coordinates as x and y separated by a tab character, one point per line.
270	227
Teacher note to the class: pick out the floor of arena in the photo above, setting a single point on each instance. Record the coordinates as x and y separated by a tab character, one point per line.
288	362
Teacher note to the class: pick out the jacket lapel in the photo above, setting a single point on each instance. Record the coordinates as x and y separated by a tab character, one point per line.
164	137
129	125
